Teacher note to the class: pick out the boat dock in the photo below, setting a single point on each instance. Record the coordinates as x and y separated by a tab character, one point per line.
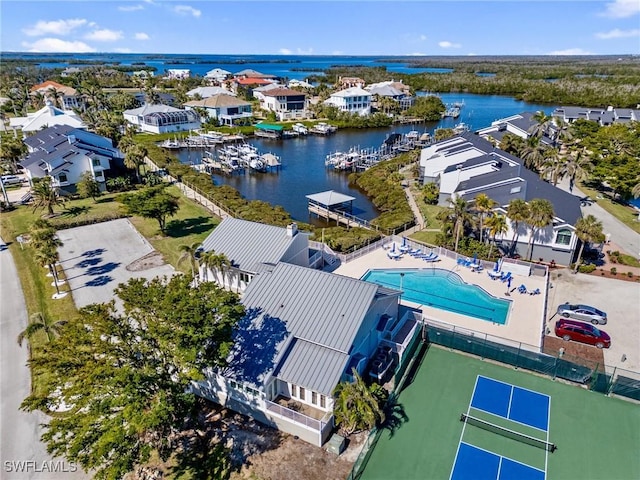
203	140
230	159
337	207
361	159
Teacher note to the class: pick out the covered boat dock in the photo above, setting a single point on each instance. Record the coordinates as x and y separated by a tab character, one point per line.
335	206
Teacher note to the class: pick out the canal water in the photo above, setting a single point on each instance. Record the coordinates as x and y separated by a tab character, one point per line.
303	169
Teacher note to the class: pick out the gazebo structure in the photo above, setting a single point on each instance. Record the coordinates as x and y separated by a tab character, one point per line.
336	206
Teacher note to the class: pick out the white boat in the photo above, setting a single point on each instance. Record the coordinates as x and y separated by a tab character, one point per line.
322	128
460	128
246	149
300	129
257	164
171	144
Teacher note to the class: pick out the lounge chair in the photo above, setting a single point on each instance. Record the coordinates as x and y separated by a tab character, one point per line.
535	292
415	252
477	267
505	277
522	289
434	258
493	275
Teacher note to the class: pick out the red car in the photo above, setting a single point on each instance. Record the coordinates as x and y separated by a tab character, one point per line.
582	332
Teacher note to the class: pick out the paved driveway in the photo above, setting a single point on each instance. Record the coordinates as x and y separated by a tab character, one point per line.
97	258
22	455
620	299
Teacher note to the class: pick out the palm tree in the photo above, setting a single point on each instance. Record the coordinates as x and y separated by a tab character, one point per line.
517	211
483	204
41	322
497	225
532	153
553	168
42	233
577	167
540	215
134	158
190	253
543	124
220	263
358	406
208	261
56	96
588	229
45	195
460	216
47	256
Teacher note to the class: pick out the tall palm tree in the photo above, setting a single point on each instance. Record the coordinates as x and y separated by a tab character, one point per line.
543	124
45	195
42	233
190	254
483	205
553	166
577	168
532	153
460	216
135	157
220	263
518	212
56	96
39	322
47	256
588	229
358	406
497	225
208	261
540	215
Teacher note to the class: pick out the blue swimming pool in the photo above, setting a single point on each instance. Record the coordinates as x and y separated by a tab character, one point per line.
442	289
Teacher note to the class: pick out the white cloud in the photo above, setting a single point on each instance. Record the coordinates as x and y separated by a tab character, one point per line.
617	33
447	44
122	50
337	52
187	10
104	35
285	51
622	9
417	54
141	36
55	45
571	51
130	8
54	27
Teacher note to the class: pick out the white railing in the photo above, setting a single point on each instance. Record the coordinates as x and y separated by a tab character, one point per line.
298	417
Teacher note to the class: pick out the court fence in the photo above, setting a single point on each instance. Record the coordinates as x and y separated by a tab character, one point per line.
595	376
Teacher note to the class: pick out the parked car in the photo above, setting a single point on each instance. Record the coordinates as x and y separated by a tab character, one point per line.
582	312
11	180
582	332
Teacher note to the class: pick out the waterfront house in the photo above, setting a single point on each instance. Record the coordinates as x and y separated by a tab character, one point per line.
249	246
520	124
70	72
254	74
467	165
248	83
47	116
217	76
396	91
65	154
295	83
224	107
177	73
352	100
162	119
142	73
65	97
304	331
287	104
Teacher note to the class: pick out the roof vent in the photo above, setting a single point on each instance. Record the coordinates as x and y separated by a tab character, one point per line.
72	139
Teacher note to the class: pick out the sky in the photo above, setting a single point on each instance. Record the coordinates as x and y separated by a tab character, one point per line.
301	27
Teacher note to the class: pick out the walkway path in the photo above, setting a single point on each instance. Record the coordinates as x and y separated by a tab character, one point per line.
624	237
20	431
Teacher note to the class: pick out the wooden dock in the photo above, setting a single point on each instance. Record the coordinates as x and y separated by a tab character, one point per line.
342	218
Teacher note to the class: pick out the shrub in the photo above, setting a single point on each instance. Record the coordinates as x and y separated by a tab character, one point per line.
588	268
630	274
614	271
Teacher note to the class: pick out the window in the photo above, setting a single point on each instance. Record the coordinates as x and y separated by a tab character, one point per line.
563	237
63	178
323	401
301	397
314	398
294	390
99	174
96	162
244	277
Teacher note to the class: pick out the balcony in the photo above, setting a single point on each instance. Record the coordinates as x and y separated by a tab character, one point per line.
299	412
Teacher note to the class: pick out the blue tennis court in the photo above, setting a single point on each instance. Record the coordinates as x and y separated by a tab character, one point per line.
514	403
478	464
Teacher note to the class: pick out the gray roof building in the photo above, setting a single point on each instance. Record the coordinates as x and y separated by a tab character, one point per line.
315	318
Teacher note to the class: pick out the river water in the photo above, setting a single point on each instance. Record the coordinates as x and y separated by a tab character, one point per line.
303	170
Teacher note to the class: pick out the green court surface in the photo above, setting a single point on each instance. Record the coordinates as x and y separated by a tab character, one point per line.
597	437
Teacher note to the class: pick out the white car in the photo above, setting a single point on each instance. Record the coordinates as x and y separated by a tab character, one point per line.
11	180
585	313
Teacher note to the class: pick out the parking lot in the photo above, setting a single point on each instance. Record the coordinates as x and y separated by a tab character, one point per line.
97	258
618	298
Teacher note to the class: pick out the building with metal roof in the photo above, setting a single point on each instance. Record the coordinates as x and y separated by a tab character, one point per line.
249	246
162	119
303	332
224	107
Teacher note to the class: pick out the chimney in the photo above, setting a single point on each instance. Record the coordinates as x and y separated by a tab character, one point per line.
292	230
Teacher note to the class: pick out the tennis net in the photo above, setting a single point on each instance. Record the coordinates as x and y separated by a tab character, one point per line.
492	427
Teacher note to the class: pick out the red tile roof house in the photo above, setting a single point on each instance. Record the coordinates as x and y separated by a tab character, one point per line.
67	101
287	104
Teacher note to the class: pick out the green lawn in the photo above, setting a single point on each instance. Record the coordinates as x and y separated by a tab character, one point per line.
624	213
191	224
597	437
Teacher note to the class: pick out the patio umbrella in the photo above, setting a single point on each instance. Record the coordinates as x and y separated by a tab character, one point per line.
496	267
475	257
404	241
508	283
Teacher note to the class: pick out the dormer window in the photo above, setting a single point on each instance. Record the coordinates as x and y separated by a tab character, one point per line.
563	237
62	178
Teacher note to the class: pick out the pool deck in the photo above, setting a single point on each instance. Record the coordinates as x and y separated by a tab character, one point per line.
526	319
